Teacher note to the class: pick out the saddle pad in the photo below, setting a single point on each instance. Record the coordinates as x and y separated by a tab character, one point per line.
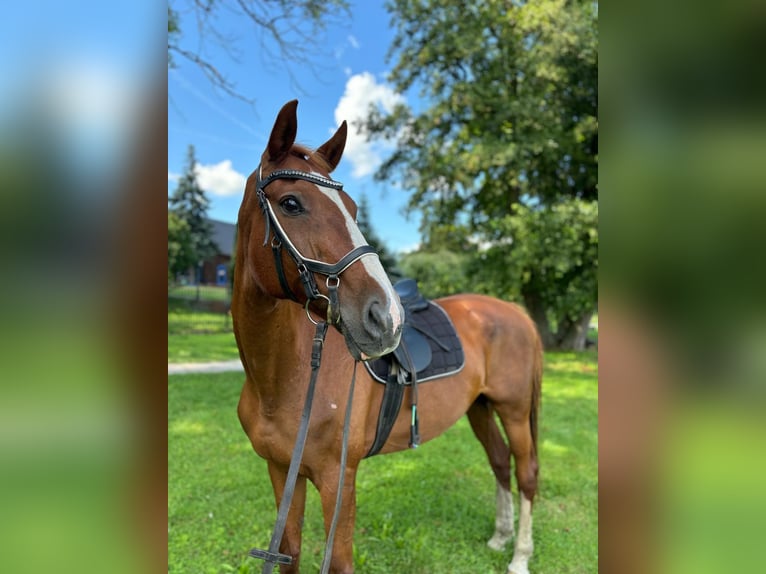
433	322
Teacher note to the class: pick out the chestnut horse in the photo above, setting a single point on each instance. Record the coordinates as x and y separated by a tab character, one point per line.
294	224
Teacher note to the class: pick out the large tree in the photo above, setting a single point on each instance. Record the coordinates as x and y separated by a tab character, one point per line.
509	123
187	221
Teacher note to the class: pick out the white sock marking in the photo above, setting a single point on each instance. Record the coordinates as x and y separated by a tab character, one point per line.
524	544
503	519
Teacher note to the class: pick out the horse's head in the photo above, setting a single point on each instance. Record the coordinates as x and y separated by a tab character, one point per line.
302	242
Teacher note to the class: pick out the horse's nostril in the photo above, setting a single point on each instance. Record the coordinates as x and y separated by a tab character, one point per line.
377	321
381	329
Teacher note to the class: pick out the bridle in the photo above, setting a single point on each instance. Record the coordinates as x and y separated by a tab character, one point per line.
307	267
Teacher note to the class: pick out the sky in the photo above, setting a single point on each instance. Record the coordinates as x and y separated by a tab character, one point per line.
229	136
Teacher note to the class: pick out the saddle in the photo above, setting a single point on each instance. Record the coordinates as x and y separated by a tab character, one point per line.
429	349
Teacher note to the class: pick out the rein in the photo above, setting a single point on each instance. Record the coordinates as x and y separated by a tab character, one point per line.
272	556
306	269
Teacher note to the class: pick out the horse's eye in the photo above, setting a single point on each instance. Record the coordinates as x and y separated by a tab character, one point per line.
291	206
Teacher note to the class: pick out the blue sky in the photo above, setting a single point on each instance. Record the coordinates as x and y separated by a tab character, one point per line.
229	135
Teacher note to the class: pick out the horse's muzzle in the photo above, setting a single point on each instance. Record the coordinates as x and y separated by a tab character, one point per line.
376	332
379	326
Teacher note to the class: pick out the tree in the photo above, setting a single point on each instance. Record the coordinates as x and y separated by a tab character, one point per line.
287	30
510	128
441	265
552	264
188	204
387	259
438	273
180	256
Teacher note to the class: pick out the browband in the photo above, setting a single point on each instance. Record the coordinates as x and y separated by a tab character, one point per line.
296	174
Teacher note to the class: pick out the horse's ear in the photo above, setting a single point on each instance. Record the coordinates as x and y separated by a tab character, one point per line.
284	131
332	149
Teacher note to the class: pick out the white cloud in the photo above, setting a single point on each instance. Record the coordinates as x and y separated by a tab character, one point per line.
90	108
362	91
173	176
220	178
353	41
411	248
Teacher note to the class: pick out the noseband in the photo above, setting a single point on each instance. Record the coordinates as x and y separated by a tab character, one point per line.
307	267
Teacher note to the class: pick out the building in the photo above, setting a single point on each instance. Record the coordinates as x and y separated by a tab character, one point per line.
216	270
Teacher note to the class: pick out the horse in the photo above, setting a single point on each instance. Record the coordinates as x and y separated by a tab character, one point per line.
293	223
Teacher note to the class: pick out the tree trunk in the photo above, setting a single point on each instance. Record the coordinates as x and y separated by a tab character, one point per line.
572	335
536	309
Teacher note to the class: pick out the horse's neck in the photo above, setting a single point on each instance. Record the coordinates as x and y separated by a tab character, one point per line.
276	337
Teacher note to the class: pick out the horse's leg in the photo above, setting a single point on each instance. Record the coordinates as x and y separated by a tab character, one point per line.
486	430
342	551
525	459
291	539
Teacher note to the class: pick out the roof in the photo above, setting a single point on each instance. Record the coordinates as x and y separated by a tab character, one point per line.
224	235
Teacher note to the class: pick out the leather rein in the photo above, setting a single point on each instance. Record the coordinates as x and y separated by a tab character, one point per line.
307	267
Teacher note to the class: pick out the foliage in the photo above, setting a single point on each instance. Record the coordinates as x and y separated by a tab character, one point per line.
188	204
510	120
552	262
180	256
293	27
387	259
173	33
420	511
514	98
438	273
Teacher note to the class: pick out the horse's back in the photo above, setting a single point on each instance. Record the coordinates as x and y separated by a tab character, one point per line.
490	319
500	342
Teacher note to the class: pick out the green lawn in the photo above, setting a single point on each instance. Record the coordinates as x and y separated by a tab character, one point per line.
203	292
198	336
196	348
184	318
426	511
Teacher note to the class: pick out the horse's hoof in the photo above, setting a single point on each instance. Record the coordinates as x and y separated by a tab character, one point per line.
498	542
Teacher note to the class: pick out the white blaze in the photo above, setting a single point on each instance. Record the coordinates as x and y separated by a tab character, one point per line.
371	264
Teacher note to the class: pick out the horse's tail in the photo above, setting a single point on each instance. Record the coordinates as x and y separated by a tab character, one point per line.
537	385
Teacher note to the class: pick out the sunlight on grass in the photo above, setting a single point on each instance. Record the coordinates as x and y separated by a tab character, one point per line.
186	427
713	507
573	389
548	447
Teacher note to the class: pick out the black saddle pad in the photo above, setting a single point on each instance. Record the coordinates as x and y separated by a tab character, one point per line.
447	356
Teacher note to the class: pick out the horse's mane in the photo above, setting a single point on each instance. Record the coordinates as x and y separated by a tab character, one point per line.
305	152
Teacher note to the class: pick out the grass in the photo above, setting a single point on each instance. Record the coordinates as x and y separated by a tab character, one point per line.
184	318
426	511
196	348
204	292
197	336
